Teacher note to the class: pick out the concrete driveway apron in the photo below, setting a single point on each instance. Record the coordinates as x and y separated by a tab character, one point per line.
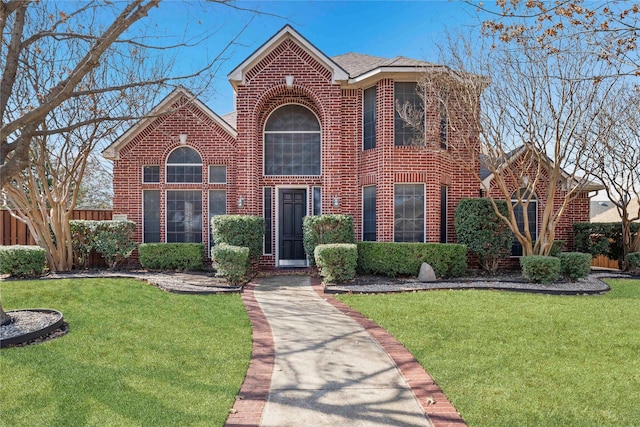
328	370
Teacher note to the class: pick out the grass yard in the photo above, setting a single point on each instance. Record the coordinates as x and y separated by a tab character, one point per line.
134	356
513	359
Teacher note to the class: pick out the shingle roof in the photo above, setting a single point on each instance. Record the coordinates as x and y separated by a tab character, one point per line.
357	64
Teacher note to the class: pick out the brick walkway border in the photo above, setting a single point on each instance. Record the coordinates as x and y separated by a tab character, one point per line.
251	400
435	404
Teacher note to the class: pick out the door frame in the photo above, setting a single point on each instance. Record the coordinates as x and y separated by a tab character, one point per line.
278	188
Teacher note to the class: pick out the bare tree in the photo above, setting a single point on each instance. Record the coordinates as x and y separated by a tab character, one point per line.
616	163
535	108
72	74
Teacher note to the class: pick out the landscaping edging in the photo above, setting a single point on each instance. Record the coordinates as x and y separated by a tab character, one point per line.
34	334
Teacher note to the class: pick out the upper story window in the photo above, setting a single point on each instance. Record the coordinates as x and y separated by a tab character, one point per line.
184	164
409	117
444	120
151	174
292	142
369	118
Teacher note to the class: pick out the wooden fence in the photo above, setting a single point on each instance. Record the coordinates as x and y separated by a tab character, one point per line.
603	261
15	232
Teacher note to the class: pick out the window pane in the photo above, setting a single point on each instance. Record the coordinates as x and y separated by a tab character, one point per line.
443	214
406	93
268	220
532	213
184	155
151	174
369	213
292	142
369	118
408	215
184	216
292	118
317	201
217	174
217	206
151	216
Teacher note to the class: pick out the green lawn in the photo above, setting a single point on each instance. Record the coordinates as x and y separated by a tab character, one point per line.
513	359
134	356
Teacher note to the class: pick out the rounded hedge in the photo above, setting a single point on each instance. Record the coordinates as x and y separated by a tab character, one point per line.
575	265
540	269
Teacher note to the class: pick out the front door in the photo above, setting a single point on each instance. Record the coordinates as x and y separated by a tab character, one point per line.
292	208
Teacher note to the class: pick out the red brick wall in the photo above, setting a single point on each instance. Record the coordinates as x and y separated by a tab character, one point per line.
346	168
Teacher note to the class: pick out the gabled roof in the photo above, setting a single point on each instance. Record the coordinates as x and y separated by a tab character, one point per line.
112	152
606	211
237	76
358	64
487	175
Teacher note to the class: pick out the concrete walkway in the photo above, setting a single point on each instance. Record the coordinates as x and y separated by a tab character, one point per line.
327	369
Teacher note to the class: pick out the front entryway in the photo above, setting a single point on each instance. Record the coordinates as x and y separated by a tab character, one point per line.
292	208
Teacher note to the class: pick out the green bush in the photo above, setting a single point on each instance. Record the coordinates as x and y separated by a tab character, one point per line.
337	262
172	256
404	259
22	261
326	229
575	265
231	262
603	238
111	239
482	231
240	230
540	269
633	259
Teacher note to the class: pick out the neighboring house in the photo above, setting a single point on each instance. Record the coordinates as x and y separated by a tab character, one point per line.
606	211
310	135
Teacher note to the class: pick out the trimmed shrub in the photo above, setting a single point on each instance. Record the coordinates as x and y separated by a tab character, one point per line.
111	239
556	248
22	261
604	238
326	229
404	259
240	230
172	256
575	265
540	269
633	259
482	231
231	262
337	262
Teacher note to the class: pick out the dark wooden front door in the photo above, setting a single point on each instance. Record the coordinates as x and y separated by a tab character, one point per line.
293	207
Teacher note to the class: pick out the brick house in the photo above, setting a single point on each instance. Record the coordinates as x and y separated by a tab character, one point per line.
310	134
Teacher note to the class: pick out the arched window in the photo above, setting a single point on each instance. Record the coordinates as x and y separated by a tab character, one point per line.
532	217
292	142
184	164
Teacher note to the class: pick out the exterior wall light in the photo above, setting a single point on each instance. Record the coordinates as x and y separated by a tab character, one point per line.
289	81
336	201
183	138
240	202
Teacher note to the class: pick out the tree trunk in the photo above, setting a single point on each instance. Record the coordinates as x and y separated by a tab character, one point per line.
4	317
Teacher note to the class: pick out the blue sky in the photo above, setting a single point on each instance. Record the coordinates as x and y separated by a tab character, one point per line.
380	28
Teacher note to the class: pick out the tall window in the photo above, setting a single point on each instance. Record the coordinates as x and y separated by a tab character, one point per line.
406	93
217	206
532	217
217	174
268	220
408	213
151	216
444	120
292	142
443	214
184	164
317	201
369	118
369	213
184	216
